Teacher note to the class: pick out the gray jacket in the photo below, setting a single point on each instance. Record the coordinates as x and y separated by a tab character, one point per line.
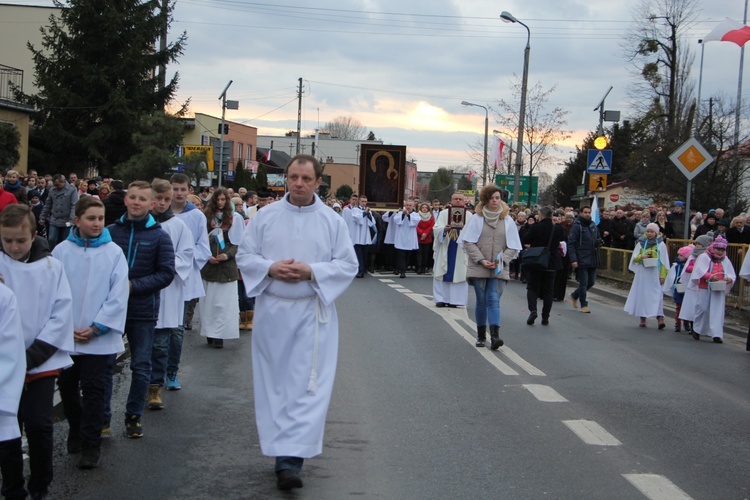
60	207
490	243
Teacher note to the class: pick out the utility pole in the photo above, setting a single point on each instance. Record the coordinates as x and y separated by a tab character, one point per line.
299	115
162	80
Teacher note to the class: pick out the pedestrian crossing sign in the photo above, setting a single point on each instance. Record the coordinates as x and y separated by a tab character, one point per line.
599	161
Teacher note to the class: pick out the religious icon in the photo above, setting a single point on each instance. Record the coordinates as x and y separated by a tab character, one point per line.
457	217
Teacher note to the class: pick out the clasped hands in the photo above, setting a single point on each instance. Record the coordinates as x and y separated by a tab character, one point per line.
290	271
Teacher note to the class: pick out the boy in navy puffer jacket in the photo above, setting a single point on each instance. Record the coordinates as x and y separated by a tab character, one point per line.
150	258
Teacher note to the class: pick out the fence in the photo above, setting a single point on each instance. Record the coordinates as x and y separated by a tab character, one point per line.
10	79
613	264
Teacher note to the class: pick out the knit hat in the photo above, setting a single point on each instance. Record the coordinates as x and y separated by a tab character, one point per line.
704	240
722	222
653	226
720	243
685	252
699	216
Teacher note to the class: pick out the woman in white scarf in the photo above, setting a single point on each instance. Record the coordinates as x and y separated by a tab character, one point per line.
491	241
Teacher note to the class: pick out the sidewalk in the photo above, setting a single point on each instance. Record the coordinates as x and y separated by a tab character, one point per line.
735	321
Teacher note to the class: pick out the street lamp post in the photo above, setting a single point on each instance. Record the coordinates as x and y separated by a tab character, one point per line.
224	106
508	18
486	125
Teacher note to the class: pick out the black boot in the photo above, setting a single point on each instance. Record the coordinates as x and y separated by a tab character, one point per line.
497	342
89	457
481	335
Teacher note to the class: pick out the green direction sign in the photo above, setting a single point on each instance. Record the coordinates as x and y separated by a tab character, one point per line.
507	181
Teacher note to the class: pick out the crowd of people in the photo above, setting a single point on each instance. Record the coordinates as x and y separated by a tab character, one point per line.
86	263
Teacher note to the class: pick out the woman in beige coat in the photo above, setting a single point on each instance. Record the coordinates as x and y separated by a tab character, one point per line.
491	241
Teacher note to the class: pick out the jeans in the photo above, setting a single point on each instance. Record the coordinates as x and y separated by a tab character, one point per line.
141	343
540	282
246	303
35	417
85	415
109	373
166	353
291	463
586	277
56	234
488	292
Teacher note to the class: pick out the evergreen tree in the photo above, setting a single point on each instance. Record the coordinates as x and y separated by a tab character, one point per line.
344	192
156	141
242	177
10	141
441	185
96	80
261	178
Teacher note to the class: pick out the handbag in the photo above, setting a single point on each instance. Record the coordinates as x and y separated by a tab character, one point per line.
537	258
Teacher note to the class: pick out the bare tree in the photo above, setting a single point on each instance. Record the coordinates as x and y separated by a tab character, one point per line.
346	127
544	129
661	58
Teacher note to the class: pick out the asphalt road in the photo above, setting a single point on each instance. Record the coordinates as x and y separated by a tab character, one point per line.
589	407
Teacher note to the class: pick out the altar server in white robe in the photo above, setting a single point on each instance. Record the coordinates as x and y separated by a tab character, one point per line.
712	266
405	235
219	309
388	248
359	231
449	286
646	298
296	258
167	348
44	302
689	301
745	274
12	374
98	269
195	221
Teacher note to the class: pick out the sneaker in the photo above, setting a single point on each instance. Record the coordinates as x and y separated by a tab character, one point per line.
106	431
573	301
717	340
133	427
173	384
153	400
586	310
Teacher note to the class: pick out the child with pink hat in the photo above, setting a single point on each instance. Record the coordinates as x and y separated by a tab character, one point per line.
672	285
650	263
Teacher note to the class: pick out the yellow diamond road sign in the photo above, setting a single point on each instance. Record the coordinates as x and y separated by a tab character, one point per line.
691	158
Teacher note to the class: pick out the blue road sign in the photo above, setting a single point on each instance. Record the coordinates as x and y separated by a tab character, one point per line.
599	161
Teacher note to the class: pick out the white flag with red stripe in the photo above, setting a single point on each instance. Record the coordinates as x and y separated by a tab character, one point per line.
729	31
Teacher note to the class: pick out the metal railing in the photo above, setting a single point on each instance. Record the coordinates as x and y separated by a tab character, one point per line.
10	79
613	264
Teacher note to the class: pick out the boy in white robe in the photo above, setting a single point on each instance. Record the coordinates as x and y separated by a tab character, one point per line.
713	266
405	235
12	373
167	348
100	293
196	222
39	283
449	286
296	258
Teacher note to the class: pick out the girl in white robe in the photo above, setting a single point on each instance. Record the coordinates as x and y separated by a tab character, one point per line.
712	266
220	310
12	373
689	301
645	298
99	271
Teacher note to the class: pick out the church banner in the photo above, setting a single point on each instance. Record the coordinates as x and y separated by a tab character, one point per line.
382	173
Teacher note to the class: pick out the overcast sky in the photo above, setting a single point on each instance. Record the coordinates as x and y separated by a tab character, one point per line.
403	67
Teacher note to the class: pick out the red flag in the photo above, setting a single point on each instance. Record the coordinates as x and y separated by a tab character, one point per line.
729	31
471	173
267	158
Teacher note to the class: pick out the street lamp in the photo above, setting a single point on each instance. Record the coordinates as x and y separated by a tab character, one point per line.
508	18
486	123
223	128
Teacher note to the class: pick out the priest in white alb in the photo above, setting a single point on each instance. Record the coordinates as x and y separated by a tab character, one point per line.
296	258
449	286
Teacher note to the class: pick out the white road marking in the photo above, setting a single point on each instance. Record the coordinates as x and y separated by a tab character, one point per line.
383	280
592	433
545	393
393	285
656	487
525	365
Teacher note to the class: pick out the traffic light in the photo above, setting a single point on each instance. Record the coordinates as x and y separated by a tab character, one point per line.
226	128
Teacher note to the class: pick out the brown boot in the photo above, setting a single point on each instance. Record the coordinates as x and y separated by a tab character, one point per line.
243	321
249	319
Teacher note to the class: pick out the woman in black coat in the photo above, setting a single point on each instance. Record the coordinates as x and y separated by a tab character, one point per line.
542	281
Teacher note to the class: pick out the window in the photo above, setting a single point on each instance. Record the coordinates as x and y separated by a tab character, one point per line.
240	148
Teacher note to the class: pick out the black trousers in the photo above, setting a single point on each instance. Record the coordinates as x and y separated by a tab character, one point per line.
540	283
35	417
362	251
11	467
82	393
424	257
401	258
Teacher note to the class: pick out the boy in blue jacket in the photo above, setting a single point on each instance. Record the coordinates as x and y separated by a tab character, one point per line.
150	258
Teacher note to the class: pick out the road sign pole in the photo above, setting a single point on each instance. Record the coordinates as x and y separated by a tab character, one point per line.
686	232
